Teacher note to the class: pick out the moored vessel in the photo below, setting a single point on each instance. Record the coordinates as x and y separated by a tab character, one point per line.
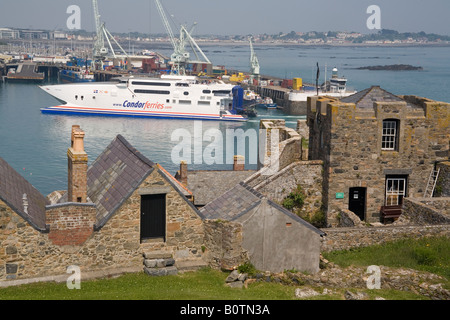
169	96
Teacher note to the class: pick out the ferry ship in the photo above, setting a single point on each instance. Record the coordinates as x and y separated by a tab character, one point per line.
168	96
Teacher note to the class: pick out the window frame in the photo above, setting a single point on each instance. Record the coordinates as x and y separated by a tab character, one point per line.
390	135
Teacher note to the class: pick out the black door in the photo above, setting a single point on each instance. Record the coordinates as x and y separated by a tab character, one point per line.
153	216
357	201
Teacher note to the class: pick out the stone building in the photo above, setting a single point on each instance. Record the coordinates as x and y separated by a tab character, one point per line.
115	211
244	224
377	148
206	185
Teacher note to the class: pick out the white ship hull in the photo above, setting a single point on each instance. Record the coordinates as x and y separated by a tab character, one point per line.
165	97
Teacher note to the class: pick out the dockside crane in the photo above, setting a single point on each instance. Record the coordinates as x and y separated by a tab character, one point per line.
100	52
180	57
254	63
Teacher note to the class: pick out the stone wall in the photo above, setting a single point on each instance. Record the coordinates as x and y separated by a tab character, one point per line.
306	174
347	238
443	182
348	139
424	211
223	244
28	253
288	148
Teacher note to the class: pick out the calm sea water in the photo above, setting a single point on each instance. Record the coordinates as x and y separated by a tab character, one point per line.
35	144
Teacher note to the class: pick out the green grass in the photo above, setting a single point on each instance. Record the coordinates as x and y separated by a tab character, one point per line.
205	284
426	254
429	254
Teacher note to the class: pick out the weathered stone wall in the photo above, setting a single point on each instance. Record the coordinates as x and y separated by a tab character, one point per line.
223	244
184	227
424	211
288	148
306	174
28	253
443	182
348	140
347	238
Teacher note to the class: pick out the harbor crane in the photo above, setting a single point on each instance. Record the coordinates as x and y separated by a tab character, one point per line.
181	57
100	51
254	63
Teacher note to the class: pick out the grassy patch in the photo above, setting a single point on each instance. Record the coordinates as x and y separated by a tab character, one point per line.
426	254
206	284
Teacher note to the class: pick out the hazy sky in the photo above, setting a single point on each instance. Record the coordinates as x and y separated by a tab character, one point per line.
232	17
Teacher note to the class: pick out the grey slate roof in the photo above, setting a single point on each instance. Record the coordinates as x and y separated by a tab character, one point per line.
241	199
206	185
12	188
233	203
114	175
366	98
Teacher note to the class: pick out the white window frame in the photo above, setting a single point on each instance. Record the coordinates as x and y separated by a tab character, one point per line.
395	190
389	135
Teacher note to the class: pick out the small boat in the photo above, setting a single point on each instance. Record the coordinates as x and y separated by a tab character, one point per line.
72	76
266	103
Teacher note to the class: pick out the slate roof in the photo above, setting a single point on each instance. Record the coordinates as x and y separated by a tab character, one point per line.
12	188
206	185
233	203
239	200
114	176
366	98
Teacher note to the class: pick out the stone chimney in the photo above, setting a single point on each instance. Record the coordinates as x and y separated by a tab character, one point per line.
183	173
239	163
77	167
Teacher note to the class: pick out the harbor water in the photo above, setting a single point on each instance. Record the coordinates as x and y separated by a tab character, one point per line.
35	144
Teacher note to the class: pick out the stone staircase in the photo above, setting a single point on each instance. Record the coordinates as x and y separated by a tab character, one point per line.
162	263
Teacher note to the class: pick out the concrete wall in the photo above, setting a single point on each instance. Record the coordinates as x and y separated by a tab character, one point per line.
276	242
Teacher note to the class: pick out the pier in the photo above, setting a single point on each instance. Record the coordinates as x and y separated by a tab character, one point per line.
26	71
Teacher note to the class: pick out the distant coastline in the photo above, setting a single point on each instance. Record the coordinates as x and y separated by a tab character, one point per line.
392	67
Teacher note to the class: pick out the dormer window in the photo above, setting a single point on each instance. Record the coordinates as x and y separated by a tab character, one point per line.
389	139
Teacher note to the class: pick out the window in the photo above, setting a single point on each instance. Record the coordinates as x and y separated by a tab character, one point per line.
395	190
206	103
143	83
151	91
184	101
389	139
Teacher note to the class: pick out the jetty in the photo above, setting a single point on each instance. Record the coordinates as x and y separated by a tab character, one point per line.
25	71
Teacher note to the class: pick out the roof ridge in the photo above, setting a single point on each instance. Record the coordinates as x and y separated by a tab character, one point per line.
173	178
135	151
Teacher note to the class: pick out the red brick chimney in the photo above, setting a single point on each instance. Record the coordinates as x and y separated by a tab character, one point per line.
77	167
239	163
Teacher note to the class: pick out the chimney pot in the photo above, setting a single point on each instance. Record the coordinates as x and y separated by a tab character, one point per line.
183	172
239	163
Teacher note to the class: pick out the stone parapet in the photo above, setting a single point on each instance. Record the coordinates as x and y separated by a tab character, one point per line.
356	237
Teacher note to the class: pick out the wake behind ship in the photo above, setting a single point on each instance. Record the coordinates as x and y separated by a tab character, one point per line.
185	97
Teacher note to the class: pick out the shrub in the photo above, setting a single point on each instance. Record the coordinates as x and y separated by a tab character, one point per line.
295	199
248	268
424	256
